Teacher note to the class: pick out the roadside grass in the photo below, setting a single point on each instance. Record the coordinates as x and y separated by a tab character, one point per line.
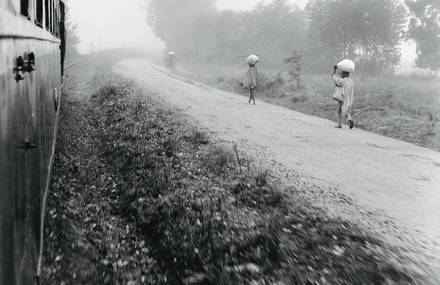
207	217
404	108
141	196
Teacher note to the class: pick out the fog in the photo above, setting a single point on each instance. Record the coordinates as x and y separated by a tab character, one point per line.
104	24
240	5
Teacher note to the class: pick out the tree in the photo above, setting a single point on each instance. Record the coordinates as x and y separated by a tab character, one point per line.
277	29
368	31
197	30
296	61
72	38
424	29
174	21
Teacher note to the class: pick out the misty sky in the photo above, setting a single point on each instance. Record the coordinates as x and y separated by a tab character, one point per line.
104	24
248	4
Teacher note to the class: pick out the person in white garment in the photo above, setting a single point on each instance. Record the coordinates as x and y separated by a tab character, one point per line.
251	78
343	94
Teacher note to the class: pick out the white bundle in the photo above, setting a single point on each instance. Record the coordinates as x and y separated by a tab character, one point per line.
346	65
252	59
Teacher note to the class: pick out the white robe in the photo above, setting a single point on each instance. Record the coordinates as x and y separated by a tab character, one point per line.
250	80
347	86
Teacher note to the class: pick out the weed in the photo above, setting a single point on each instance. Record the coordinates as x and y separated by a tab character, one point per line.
197	137
217	160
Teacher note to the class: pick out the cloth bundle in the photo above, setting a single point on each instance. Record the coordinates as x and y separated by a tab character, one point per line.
252	60
346	65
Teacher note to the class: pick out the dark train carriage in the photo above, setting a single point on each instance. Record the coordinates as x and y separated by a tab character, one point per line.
31	56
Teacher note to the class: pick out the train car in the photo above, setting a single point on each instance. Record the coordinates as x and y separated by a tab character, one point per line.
31	64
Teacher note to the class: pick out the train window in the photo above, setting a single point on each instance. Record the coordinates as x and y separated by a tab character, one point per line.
52	17
57	24
47	13
24	8
39	16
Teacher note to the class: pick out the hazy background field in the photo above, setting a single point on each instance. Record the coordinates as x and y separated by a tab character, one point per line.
405	107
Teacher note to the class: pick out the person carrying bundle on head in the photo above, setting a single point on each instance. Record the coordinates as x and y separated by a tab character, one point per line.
344	91
251	78
170	59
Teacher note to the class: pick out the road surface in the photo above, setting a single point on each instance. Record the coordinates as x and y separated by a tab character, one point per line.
384	176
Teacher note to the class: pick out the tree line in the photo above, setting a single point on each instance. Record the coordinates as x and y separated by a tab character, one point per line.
368	31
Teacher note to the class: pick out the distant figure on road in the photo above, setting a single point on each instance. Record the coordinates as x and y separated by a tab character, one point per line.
344	91
251	78
170	59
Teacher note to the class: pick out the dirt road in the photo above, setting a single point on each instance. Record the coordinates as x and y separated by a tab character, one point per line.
385	177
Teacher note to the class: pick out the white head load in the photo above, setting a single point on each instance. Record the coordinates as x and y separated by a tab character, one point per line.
252	59
346	65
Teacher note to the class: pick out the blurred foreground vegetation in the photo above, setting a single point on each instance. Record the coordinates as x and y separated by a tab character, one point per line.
139	196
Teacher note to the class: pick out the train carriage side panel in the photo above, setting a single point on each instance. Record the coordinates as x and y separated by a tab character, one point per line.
28	118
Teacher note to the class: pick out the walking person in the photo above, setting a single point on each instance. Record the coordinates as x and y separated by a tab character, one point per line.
344	91
251	78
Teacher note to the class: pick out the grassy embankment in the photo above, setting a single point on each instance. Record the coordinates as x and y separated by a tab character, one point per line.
404	108
139	196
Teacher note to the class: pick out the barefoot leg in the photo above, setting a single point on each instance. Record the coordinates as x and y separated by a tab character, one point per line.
339	115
